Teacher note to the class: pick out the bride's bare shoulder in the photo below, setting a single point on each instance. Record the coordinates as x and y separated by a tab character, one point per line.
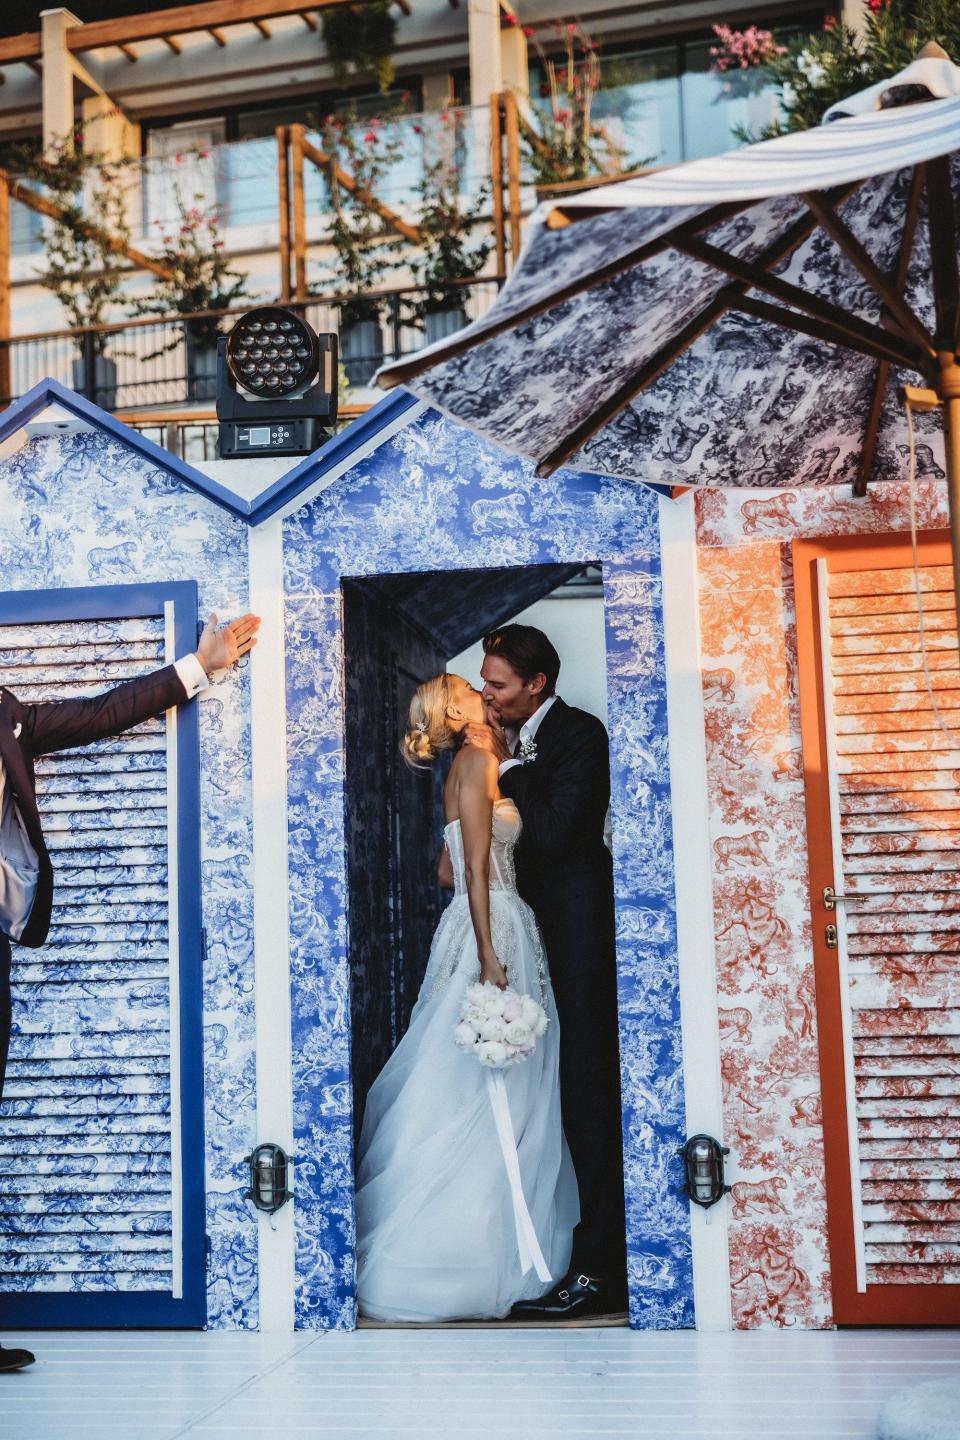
471	764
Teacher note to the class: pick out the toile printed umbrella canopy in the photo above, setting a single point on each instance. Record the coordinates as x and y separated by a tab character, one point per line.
744	320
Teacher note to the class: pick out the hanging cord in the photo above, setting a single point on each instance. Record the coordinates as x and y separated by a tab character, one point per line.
946	728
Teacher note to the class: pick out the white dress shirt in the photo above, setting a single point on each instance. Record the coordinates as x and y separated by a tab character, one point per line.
19	865
528	731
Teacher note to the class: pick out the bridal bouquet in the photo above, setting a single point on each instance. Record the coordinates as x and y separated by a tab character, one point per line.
499	1027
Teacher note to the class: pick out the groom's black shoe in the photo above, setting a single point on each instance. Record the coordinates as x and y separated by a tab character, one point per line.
575	1296
14	1359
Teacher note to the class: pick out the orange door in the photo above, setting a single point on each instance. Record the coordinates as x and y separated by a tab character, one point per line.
882	776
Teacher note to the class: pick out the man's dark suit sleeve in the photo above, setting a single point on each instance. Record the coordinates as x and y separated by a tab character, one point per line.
61	724
556	817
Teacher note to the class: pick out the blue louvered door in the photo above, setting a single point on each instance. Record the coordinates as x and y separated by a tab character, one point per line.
101	1125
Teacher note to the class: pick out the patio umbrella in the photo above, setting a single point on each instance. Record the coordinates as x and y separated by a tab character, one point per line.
744	320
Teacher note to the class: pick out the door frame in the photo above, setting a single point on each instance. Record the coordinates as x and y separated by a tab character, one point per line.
882	1304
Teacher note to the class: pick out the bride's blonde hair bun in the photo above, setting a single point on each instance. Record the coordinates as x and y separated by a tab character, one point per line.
429	732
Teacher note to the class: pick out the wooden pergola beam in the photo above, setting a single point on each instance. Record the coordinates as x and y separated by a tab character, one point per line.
264	29
308	20
160	25
129	52
43	206
217	35
323	161
185	19
172	44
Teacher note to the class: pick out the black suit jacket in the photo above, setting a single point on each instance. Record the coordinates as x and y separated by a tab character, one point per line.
564	869
60	725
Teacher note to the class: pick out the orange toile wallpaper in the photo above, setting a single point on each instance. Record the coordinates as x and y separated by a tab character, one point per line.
779	1258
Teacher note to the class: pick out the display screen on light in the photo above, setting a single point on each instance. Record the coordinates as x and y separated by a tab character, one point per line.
260	435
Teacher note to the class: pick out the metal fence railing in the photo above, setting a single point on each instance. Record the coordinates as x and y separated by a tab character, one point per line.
172	361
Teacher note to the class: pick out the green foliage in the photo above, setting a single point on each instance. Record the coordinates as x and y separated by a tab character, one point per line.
561	140
818	71
447	252
360	41
364	245
82	267
200	275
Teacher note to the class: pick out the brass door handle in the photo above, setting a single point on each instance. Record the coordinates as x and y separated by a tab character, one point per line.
830	898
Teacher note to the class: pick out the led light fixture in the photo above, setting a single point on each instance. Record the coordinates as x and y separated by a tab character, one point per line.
276	385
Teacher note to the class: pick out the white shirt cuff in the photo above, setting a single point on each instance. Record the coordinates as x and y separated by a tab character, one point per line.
505	765
192	674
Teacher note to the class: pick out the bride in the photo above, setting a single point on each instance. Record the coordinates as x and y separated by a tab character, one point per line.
436	1236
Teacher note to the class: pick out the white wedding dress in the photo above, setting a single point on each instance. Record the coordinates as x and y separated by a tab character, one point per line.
436	1236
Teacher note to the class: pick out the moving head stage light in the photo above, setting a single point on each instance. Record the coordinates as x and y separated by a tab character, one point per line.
274	355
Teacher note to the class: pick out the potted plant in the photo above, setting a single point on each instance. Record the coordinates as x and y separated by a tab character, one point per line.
561	139
199	279
449	255
84	249
360	41
364	247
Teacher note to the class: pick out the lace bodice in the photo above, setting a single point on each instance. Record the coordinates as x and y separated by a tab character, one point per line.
506	832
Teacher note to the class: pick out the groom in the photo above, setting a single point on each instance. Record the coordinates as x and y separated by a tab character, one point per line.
26	731
555	767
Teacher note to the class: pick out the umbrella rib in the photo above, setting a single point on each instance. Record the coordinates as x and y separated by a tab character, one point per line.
807	325
408	370
858	256
882	342
872	428
658	362
652	368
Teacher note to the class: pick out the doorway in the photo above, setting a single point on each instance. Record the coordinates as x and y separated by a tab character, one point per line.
398	631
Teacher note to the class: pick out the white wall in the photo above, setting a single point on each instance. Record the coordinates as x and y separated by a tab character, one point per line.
576	628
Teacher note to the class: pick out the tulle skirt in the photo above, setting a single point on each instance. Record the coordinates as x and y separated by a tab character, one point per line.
436	1237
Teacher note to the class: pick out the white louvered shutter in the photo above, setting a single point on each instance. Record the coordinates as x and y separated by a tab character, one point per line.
895	796
91	1133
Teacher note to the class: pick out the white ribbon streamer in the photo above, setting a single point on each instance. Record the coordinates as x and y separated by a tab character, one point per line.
527	1243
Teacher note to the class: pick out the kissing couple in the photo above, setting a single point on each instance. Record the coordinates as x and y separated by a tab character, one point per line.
524	805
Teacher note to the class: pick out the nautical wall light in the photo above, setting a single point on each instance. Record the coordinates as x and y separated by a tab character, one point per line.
275	357
269	1170
703	1170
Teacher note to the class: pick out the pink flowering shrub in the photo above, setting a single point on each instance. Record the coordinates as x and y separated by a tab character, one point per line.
743	49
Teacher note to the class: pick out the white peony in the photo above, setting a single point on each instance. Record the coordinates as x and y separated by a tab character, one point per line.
530	1012
492	1028
517	1032
512	1005
492	1053
464	1035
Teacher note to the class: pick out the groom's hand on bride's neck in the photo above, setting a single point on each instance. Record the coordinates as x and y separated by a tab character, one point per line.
488	737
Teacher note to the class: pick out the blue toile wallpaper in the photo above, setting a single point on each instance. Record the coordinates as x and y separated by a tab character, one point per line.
84	509
434	497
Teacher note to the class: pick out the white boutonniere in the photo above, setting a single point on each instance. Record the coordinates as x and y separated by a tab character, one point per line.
16	730
527	752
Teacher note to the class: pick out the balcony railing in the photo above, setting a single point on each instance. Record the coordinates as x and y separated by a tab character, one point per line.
171	362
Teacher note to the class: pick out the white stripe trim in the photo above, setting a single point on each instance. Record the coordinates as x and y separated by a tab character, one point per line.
173	931
694	892
268	721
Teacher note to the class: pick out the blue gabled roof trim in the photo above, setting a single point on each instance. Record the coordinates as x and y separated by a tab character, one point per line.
304	474
282	492
51	392
332	454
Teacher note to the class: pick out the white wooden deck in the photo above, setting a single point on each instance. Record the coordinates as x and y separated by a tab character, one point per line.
506	1384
